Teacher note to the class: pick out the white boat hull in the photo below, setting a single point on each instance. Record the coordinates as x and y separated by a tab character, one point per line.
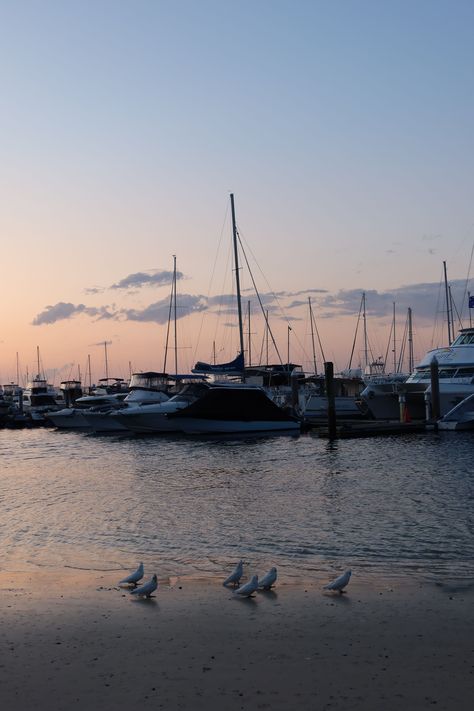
68	419
103	422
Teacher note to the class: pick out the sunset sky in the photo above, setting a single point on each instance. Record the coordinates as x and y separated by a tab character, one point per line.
344	129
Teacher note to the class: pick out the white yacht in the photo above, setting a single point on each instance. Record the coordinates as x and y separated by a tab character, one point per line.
456	382
40	397
146	418
147	388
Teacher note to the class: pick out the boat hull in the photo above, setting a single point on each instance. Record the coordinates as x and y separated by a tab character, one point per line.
69	419
195	425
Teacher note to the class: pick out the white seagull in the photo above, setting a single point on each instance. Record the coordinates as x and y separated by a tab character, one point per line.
133	578
146	589
339	583
236	574
249	588
268	580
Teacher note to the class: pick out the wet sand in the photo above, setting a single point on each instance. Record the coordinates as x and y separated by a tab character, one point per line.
74	640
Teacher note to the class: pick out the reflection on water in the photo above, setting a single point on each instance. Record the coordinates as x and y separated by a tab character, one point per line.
192	506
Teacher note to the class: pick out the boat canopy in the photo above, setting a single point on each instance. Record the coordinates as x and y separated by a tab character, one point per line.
234	367
229	403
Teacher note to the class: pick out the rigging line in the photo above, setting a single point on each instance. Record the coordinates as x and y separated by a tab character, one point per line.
388	344
435	324
271	290
355	334
259	299
282	311
221	304
168	328
453	303
212	278
402	347
317	333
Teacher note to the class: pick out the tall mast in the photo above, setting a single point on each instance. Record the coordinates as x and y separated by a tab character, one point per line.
288	349
17	369
411	360
366	351
312	334
175	319
38	361
250	333
106	361
266	336
394	342
90	373
237	275
447	302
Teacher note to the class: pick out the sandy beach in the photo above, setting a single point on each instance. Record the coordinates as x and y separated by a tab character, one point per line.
74	639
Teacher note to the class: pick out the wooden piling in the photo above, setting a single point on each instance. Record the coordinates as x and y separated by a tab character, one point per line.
329	377
435	404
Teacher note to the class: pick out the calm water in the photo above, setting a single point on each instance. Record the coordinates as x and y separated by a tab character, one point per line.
392	505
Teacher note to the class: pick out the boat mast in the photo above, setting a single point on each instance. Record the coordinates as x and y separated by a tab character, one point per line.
249	341
237	276
394	342
366	350
312	334
38	361
175	319
17	369
288	351
266	336
411	360
106	361
447	302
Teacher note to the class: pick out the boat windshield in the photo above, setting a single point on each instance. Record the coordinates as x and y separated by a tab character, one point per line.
464	339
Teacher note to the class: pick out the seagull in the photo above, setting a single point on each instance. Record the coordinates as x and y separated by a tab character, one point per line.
146	589
268	580
249	588
339	583
133	578
236	574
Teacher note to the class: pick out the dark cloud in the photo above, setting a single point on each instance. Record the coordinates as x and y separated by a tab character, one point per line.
63	310
159	311
425	299
153	278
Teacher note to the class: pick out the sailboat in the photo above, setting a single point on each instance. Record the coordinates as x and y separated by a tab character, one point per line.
232	407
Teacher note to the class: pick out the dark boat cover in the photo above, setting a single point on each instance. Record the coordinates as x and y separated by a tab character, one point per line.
240	403
235	367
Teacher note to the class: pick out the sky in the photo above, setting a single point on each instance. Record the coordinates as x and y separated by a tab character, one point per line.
344	130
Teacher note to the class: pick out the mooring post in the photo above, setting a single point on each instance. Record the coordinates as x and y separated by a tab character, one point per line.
402	400
294	390
329	377
435	404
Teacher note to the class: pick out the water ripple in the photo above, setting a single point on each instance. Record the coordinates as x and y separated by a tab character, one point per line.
191	506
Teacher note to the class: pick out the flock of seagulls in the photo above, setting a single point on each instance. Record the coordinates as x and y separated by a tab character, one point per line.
246	590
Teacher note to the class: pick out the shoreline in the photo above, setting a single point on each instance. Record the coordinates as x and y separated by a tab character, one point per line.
74	639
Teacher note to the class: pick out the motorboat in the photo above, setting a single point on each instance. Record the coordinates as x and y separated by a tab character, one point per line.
39	398
72	418
385	400
233	408
461	417
146	418
149	388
